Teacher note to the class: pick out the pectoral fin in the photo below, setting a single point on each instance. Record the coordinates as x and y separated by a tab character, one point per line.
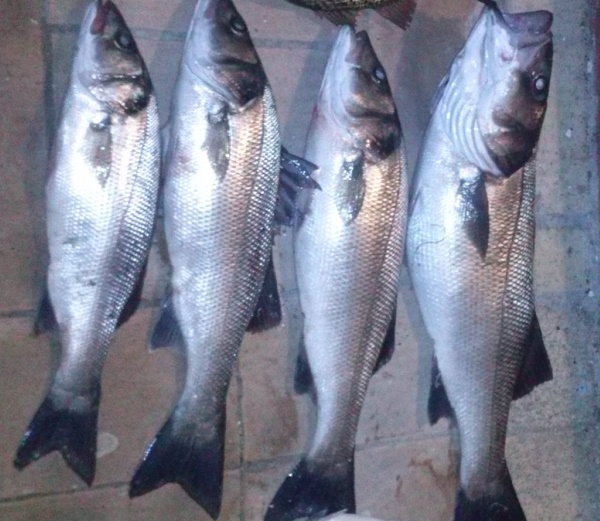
472	207
217	142
350	189
438	405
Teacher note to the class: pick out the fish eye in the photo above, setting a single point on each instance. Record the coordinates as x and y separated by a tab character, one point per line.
238	25
379	74
124	41
540	87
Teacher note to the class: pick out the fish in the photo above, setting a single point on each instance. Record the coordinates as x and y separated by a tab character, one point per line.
344	12
101	197
348	252
470	246
222	185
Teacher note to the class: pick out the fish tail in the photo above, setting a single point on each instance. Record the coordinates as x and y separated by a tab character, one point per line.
180	454
502	506
312	490
68	424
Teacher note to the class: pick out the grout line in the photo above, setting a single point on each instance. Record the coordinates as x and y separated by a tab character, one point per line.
287	459
30	313
18	313
77	490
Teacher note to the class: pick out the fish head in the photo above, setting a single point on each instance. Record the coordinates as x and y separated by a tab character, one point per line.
357	95
515	80
108	61
220	52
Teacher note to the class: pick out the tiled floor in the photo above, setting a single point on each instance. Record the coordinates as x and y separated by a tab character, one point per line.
405	469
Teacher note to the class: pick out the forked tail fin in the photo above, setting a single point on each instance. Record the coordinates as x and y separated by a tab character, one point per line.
67	423
312	490
502	506
182	454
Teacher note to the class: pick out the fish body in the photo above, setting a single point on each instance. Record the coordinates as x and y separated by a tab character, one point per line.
348	252
340	12
470	246
221	173
101	200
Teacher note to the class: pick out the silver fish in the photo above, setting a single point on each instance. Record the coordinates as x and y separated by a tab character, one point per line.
470	246
101	201
221	173
348	253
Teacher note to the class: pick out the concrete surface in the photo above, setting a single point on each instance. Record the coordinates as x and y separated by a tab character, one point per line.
406	470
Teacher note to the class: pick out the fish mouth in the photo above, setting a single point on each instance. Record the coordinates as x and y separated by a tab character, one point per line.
524	29
338	67
344	44
208	9
360	42
102	9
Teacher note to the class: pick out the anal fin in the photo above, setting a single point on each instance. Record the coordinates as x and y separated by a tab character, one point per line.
267	313
133	302
389	344
167	332
303	378
438	404
536	368
45	319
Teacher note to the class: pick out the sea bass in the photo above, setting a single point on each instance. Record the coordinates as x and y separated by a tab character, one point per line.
470	246
101	202
348	252
341	12
221	175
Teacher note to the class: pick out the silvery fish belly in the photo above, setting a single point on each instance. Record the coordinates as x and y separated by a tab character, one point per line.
342	12
470	246
101	202
348	253
221	171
